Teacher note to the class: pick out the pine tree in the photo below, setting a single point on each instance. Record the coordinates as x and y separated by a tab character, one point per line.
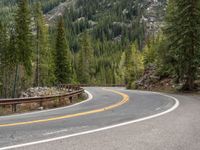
3	50
3	44
12	52
183	34
63	69
134	66
12	57
83	69
150	53
169	54
24	35
86	60
43	53
121	69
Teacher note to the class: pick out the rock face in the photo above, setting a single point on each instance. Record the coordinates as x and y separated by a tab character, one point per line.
42	91
150	80
153	16
52	16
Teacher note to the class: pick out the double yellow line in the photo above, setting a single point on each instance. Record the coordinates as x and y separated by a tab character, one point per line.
123	101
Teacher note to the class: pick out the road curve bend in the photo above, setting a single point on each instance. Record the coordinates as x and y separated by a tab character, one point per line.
70	126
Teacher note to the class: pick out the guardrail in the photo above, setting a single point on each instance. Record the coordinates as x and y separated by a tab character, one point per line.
72	91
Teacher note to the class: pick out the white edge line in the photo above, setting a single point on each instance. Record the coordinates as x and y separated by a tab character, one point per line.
100	129
90	97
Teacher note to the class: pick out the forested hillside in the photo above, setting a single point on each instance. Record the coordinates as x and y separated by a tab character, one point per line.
45	43
114	25
117	20
9	6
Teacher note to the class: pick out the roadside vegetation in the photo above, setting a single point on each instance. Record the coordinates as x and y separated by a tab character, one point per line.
175	52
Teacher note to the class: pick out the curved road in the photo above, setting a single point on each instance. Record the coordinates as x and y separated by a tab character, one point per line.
113	119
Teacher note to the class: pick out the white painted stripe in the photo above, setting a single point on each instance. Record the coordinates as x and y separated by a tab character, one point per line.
55	132
90	97
100	129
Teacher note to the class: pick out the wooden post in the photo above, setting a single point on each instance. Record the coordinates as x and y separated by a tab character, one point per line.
41	104
71	99
68	88
14	108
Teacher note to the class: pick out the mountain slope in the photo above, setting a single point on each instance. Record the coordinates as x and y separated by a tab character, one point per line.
7	7
113	19
118	19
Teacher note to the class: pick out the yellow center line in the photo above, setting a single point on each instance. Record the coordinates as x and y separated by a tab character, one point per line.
123	101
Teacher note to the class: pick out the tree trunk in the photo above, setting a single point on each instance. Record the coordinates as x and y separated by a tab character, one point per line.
189	84
15	82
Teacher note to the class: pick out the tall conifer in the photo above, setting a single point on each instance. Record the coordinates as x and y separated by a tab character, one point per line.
24	35
63	69
86	60
183	34
42	54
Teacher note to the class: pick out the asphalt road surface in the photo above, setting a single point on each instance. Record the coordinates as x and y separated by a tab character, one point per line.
111	119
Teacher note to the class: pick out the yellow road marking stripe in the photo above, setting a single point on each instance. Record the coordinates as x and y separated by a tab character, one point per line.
123	101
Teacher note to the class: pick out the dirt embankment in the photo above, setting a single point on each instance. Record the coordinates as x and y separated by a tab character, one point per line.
151	81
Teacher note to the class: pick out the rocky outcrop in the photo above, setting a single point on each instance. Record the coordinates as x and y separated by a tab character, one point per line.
150	80
42	91
54	14
153	16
